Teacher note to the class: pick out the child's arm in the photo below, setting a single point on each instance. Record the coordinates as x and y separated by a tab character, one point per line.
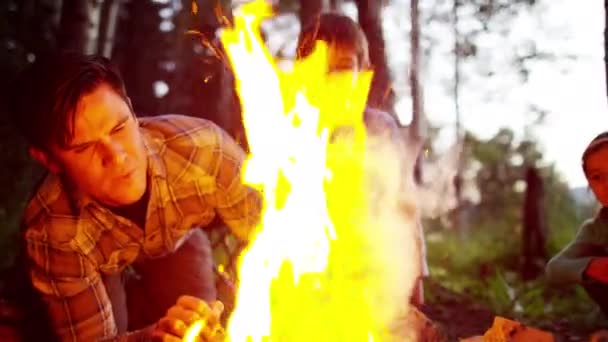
569	265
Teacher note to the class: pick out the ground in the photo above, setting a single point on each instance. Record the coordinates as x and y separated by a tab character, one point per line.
462	317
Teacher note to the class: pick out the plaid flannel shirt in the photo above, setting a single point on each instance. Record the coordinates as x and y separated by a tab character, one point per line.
194	172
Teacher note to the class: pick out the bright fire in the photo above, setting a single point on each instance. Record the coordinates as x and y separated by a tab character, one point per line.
318	268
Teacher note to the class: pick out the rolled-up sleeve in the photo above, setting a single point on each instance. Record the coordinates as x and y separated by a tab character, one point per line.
238	204
569	265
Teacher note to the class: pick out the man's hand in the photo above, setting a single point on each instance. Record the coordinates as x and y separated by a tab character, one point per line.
183	314
597	269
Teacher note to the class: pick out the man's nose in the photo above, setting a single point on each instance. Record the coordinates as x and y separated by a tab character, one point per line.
114	153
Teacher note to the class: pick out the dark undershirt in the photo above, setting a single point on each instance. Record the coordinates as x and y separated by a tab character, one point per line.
135	212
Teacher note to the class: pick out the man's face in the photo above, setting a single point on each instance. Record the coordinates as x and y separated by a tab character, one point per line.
597	174
106	157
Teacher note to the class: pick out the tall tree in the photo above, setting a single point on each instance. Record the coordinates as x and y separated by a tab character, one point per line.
370	18
79	25
534	229
27	29
606	42
202	83
456	95
211	13
309	11
107	27
415	127
334	4
138	31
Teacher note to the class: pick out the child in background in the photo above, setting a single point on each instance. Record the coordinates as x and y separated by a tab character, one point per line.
584	261
348	51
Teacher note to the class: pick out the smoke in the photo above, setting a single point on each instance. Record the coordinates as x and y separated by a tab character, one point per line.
437	193
392	229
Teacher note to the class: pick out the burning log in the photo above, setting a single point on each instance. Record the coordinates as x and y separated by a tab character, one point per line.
600	336
416	326
506	330
413	326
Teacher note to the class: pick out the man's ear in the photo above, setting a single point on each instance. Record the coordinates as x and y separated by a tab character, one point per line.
45	159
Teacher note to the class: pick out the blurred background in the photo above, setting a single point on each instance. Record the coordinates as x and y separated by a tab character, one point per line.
504	94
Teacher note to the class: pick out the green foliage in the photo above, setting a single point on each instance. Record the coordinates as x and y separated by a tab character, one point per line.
483	261
502	163
480	267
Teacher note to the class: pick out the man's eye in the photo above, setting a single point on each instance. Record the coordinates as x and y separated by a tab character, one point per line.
81	149
119	128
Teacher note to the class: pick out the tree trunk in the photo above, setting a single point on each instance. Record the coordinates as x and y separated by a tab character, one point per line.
79	25
334	5
107	27
415	91
310	10
210	14
415	86
33	27
606	42
456	89
534	229
56	6
203	82
381	94
140	48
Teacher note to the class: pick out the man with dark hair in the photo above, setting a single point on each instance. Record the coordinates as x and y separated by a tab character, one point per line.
110	232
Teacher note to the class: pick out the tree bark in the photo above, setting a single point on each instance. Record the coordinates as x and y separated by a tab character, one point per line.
534	227
310	10
107	27
415	91
204	81
381	93
56	5
334	5
458	181
606	42
139	32
210	14
415	87
79	25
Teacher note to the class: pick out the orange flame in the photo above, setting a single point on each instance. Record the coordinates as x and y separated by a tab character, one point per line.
193	331
311	273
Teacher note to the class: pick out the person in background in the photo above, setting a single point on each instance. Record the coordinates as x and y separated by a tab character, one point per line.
348	51
116	234
584	260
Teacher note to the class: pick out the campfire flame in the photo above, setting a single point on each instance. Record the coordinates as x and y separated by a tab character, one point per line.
325	264
193	331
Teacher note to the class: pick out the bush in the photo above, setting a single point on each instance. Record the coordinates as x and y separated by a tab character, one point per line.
483	264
